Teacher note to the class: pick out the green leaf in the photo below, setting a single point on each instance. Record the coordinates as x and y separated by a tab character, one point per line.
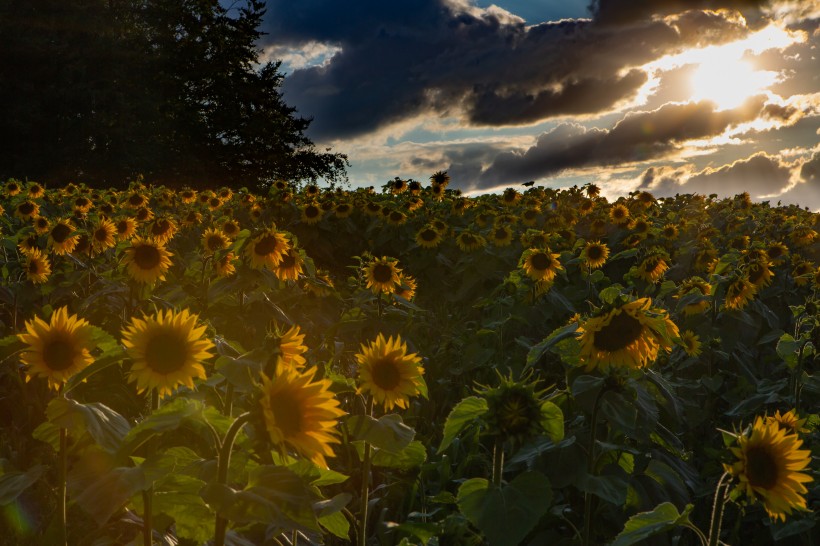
610	294
463	414
14	483
506	514
412	456
558	335
177	497
337	524
107	427
787	349
109	491
167	418
387	432
663	518
552	421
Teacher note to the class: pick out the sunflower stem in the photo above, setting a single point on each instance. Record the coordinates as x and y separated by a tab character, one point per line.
593	425
148	494
365	493
221	525
717	513
498	462
61	502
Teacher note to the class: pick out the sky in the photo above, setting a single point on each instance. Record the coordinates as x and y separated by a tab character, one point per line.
669	96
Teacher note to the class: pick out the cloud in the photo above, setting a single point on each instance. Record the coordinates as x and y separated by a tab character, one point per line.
398	60
761	175
617	12
639	136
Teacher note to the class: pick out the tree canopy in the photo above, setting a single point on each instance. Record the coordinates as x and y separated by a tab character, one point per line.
100	91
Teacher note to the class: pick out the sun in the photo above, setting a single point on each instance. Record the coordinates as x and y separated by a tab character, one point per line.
727	80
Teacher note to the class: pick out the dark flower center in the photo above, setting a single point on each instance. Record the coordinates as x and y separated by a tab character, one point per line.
761	467
60	233
142	214
288	261
160	227
59	353
386	374
101	234
214	241
622	330
651	264
429	235
166	352
500	234
467	239
266	245
33	267
311	211
26	207
541	261
382	273
286	413
516	413
595	252
147	256
135	200
396	216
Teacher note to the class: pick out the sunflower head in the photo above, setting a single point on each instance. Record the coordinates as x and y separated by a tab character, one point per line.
284	350
147	261
214	239
515	409
389	373
58	349
788	421
540	264
382	275
290	267
768	467
36	266
428	237
311	213
595	254
267	248
739	292
168	349
653	267
691	343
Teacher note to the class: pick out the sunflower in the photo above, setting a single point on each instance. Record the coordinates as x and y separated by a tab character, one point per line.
534	239
802	273
12	188
285	350
628	336
213	240
501	236
136	200
776	252
35	190
428	237
645	198
311	213
440	178
58	349
406	287
290	267
102	236
27	210
343	210
82	205
28	242
652	268
739	292
162	230
516	410
126	228
397	186
389	373
469	242
540	264
670	231
788	421
619	215
510	197
321	286
690	343
706	259
396	218
641	226
188	196
740	242
37	267
167	350
768	468
312	190
147	261
760	274
224	265
595	254
437	190
41	224
301	413
267	248
382	275
695	285
231	228
143	214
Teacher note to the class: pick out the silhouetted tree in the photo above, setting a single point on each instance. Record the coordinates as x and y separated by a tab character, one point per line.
100	91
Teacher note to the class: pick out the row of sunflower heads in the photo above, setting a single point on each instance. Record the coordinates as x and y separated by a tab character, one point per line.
769	465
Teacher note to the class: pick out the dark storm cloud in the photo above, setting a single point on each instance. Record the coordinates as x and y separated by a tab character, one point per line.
637	137
398	60
760	175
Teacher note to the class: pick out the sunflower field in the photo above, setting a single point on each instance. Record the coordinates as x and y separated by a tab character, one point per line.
406	366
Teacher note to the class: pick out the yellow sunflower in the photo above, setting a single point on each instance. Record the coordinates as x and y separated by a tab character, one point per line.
82	205
126	228
37	266
739	292
35	190
343	210
670	231
321	286
396	218
27	210
629	336
267	248
428	237
147	261
213	240
501	236
382	275
802	273
12	188
540	264
188	196
311	213
224	266
691	343
167	350
231	228
760	274
41	224
595	254
143	214
58	349
789	421
469	242
191	218
619	215
61	238
290	267
777	252
162	230
285	350
768	468
102	236
301	413
389	373
406	288
652	268
695	285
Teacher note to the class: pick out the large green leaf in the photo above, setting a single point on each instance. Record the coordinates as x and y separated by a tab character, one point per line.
14	483
387	432
552	421
412	456
663	518
331	517
506	514
538	350
167	418
177	496
107	427
463	414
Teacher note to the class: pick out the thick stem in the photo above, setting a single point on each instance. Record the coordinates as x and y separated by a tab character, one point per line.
221	527
498	462
148	494
593	425
63	535
365	492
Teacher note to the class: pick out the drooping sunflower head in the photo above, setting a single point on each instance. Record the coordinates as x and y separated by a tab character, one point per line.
301	413
540	264
58	349
691	343
802	272
788	421
626	337
501	236
146	260
224	265
311	213
469	242
382	275
760	274
407	287
389	373
428	237
739	292
267	248
510	197
162	230
515	409
440	178
168	349
695	286
777	252
652	268
290	267
768	468
595	254
284	349
37	266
